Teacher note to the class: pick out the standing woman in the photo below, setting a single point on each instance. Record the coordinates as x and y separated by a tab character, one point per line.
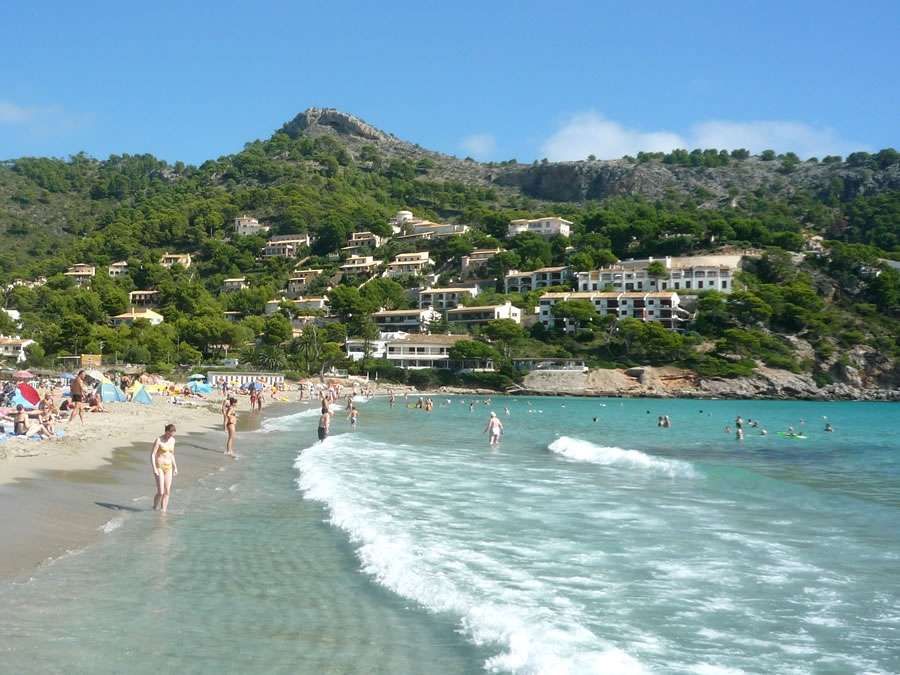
162	459
230	417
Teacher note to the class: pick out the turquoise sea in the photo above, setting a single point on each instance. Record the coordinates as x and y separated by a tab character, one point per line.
590	541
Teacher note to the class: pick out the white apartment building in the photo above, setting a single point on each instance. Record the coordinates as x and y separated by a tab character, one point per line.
285	245
147	298
169	259
407	320
659	306
691	273
13	348
300	304
360	239
246	226
135	314
409	263
546	227
471	265
356	348
445	298
300	279
82	274
235	284
524	282
422	351
360	264
474	316
437	229
117	269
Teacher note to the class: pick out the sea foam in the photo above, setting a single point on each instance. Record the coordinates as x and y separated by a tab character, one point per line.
444	576
584	451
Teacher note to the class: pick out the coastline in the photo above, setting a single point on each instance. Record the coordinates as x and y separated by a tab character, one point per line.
59	496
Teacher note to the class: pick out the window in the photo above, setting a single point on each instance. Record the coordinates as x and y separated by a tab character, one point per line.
724	283
687	284
699	284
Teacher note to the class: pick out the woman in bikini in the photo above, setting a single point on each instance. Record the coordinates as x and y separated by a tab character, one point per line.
230	414
162	459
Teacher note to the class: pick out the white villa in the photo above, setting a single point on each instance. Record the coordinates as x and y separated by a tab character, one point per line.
422	351
360	264
285	245
117	269
546	227
360	239
407	320
692	273
235	284
82	274
135	314
656	306
409	263
300	280
148	298
445	298
246	226
472	264
473	316
301	303
170	259
14	348
524	282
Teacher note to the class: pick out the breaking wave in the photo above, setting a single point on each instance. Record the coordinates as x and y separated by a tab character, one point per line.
584	451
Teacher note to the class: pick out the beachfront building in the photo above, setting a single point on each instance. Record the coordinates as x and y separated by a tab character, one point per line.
286	245
524	282
137	314
659	306
546	227
234	284
246	226
358	348
422	351
170	259
407	320
473	264
148	298
480	315
309	303
300	280
359	265
82	274
12	348
409	263
117	269
691	273
362	239
446	298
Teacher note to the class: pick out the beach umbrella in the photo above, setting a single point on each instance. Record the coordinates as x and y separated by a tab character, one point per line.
23	375
97	376
197	376
29	393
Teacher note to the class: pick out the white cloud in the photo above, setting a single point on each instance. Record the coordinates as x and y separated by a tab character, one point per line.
479	146
10	113
592	134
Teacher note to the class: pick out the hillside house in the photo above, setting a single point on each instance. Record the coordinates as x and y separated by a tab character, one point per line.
524	282
662	307
480	315
546	227
246	226
13	348
473	265
117	269
445	298
168	260
147	298
309	303
692	273
137	314
234	284
82	274
286	245
300	280
409	264
363	239
360	264
407	320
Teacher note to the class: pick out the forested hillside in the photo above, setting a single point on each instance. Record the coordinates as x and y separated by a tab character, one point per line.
832	311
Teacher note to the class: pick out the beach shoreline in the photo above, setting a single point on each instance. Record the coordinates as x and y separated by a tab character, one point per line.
59	496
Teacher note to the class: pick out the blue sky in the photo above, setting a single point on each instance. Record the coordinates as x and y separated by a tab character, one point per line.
495	80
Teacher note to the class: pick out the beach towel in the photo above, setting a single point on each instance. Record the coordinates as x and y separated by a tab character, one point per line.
29	393
141	396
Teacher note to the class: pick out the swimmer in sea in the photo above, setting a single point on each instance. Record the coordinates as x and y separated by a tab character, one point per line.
494	429
506	410
828	427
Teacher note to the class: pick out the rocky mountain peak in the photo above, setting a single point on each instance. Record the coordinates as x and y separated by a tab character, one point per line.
316	121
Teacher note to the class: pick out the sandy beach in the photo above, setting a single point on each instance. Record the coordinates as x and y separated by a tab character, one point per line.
58	495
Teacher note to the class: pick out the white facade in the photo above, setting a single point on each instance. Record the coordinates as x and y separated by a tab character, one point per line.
437	229
246	226
473	316
301	303
408	320
546	227
409	263
472	264
524	282
356	349
691	273
658	306
286	245
236	284
13	348
360	239
360	264
82	274
117	269
422	351
445	298
135	314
